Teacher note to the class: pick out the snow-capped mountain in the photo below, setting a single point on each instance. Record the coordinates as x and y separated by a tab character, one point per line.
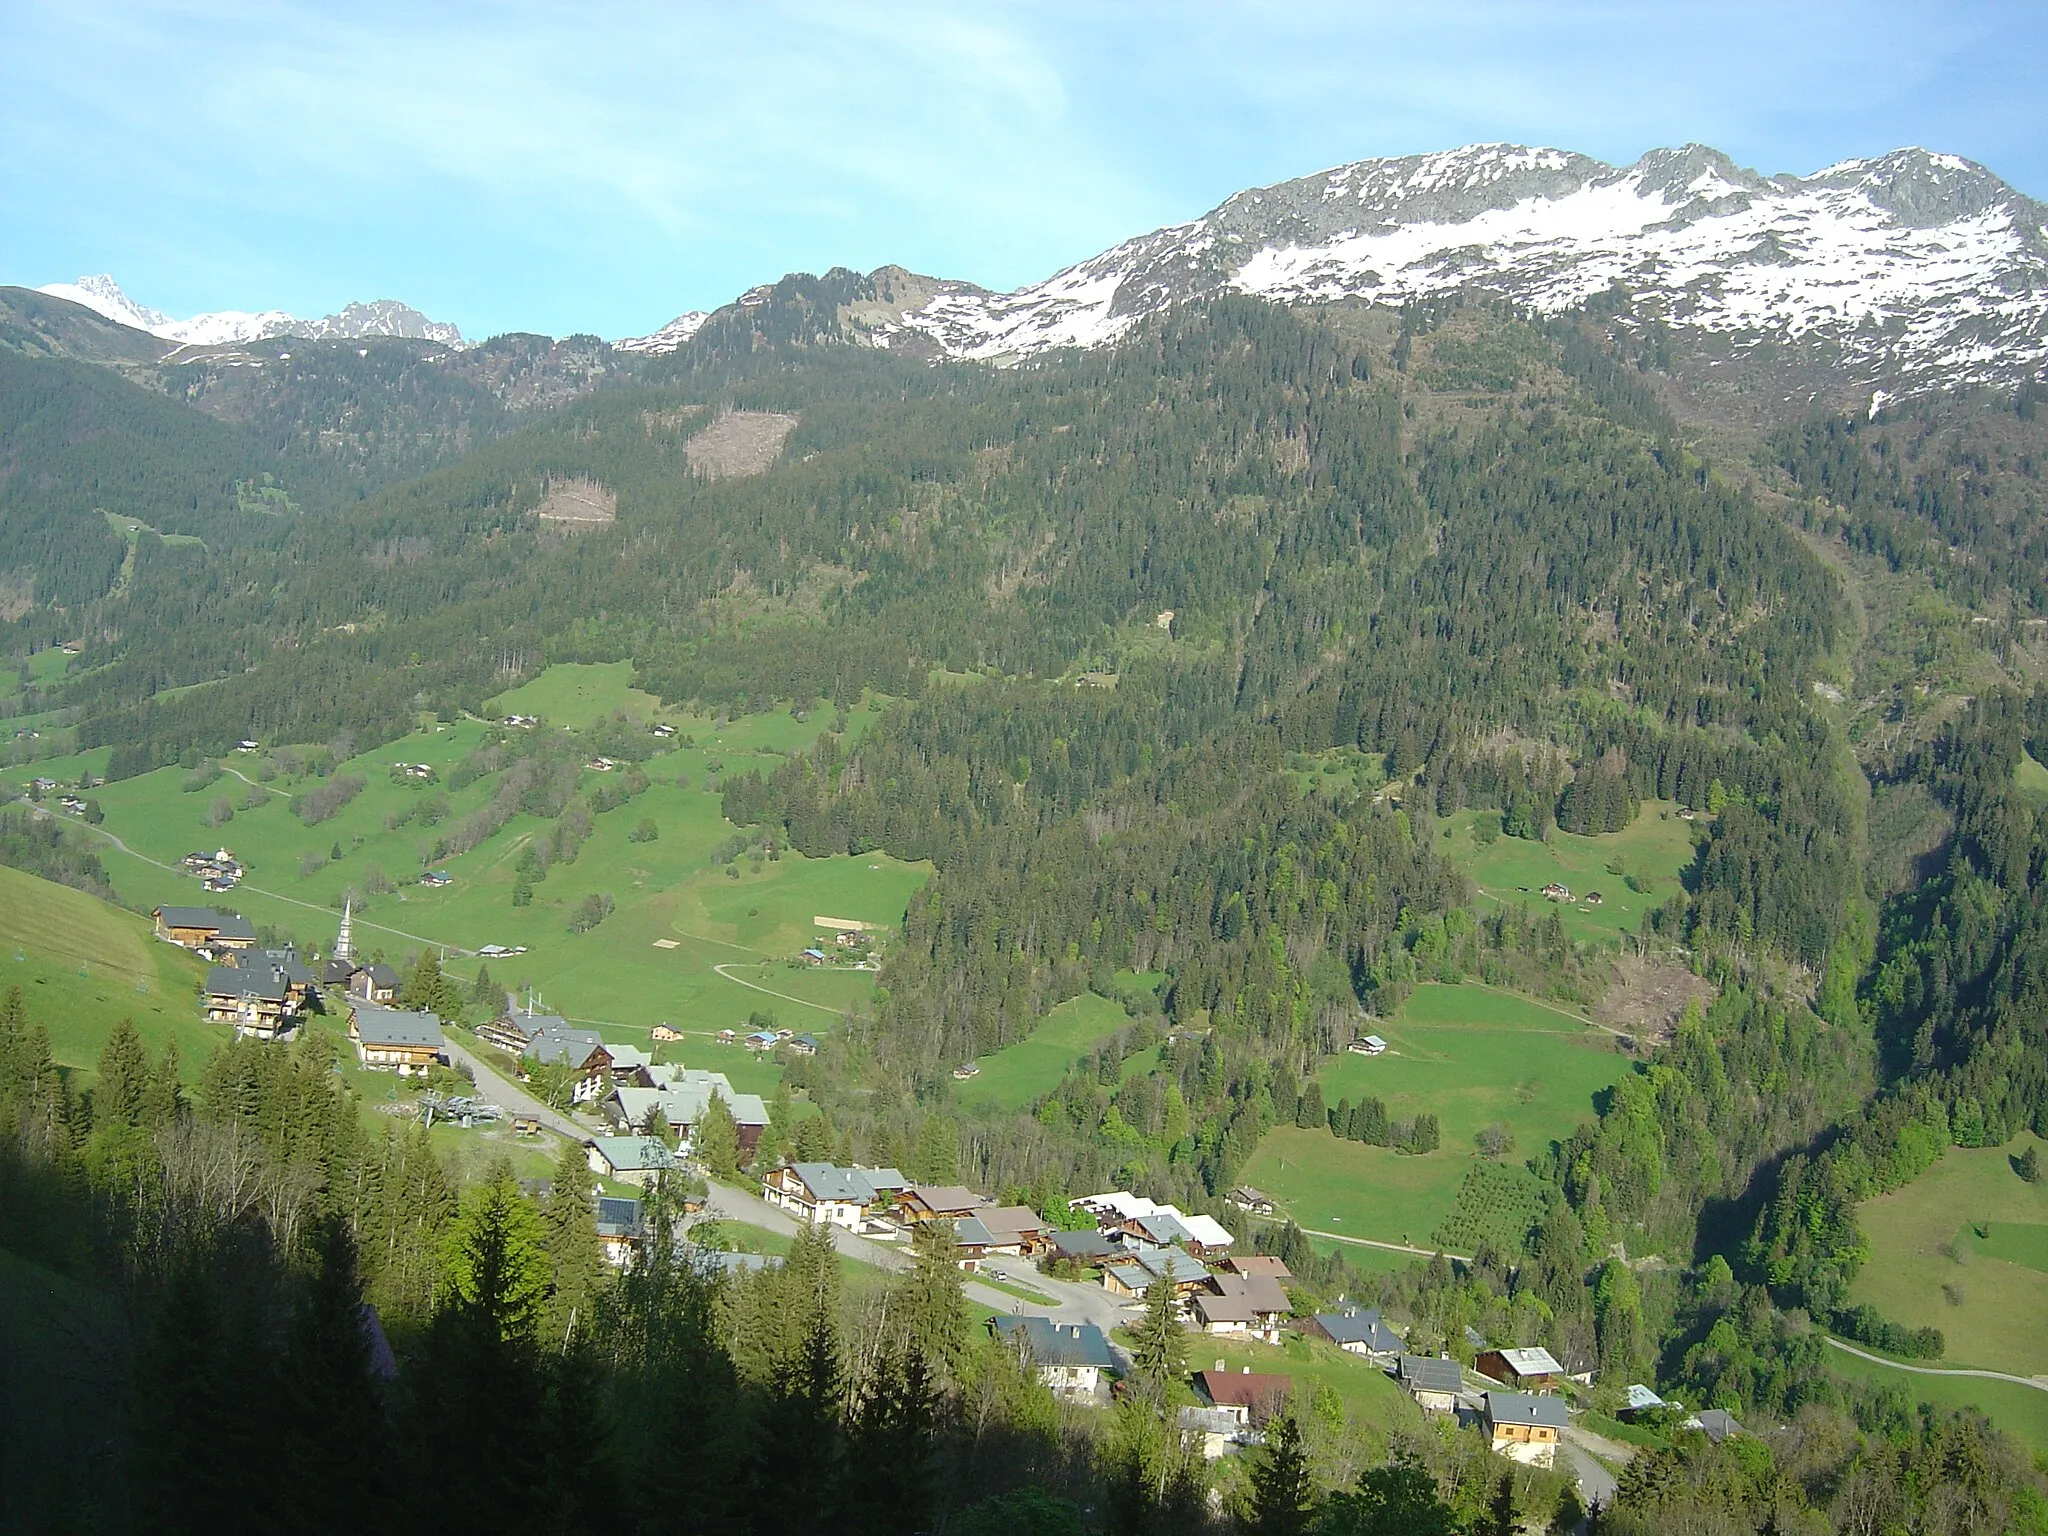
668	338
1917	266
383	317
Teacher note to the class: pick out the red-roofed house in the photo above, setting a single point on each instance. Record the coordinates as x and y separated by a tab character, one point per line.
1248	1396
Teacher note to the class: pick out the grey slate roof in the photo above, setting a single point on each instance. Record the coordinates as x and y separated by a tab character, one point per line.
1430	1373
571	1047
265	984
1526	1408
1365	1328
396	1026
188	917
1173	1264
1049	1343
1085	1245
826	1181
1163	1228
233	927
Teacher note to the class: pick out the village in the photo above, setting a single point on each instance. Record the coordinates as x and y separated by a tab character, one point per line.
1087	1275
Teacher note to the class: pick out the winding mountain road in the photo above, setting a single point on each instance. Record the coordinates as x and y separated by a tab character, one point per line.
310	906
1071	1302
804	1002
2038	1383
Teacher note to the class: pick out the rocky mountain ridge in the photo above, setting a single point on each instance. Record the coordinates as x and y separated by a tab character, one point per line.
1911	269
379	317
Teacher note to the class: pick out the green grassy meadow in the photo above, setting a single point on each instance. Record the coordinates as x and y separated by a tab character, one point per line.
678	916
1019	1073
82	965
1924	1238
1655	847
2031	779
1468	1054
1364	1389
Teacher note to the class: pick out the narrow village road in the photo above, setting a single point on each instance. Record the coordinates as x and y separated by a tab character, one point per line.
1073	1303
508	1095
1596	1484
1374	1242
2038	1383
802	1002
741	1205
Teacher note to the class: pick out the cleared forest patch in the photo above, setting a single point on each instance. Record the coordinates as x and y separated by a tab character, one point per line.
578	503
739	443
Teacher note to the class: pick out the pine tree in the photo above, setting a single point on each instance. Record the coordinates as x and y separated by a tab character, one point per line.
1309	1114
1283	1492
1159	1341
716	1140
935	1301
937	1158
807	1396
163	1102
123	1089
1501	1519
495	1263
1374	1127
812	1142
331	1431
427	990
484	992
575	1258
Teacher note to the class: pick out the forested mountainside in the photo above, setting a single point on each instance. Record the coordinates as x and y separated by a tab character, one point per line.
1121	607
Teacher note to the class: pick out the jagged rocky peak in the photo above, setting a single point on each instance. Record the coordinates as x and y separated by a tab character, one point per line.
1910	270
1922	189
381	317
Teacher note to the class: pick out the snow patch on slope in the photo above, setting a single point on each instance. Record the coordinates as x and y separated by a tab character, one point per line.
668	338
231	327
1915	265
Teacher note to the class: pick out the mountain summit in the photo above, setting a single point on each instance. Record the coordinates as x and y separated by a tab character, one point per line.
1916	267
381	317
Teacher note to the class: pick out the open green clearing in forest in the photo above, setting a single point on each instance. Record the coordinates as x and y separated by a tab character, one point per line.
1021	1072
1964	1248
82	964
2031	780
2021	1412
1652	850
577	694
1473	1057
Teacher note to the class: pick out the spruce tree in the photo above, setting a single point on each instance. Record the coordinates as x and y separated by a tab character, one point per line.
1282	1491
715	1138
575	1258
123	1088
935	1301
495	1262
1308	1115
331	1431
937	1158
1158	1341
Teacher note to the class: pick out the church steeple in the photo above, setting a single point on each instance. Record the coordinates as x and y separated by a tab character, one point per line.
341	939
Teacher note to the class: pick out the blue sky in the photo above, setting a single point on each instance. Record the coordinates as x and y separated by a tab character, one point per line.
602	166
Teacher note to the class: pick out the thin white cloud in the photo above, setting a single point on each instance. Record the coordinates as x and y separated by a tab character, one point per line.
604	164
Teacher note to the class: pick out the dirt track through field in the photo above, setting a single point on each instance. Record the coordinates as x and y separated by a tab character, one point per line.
2039	1384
